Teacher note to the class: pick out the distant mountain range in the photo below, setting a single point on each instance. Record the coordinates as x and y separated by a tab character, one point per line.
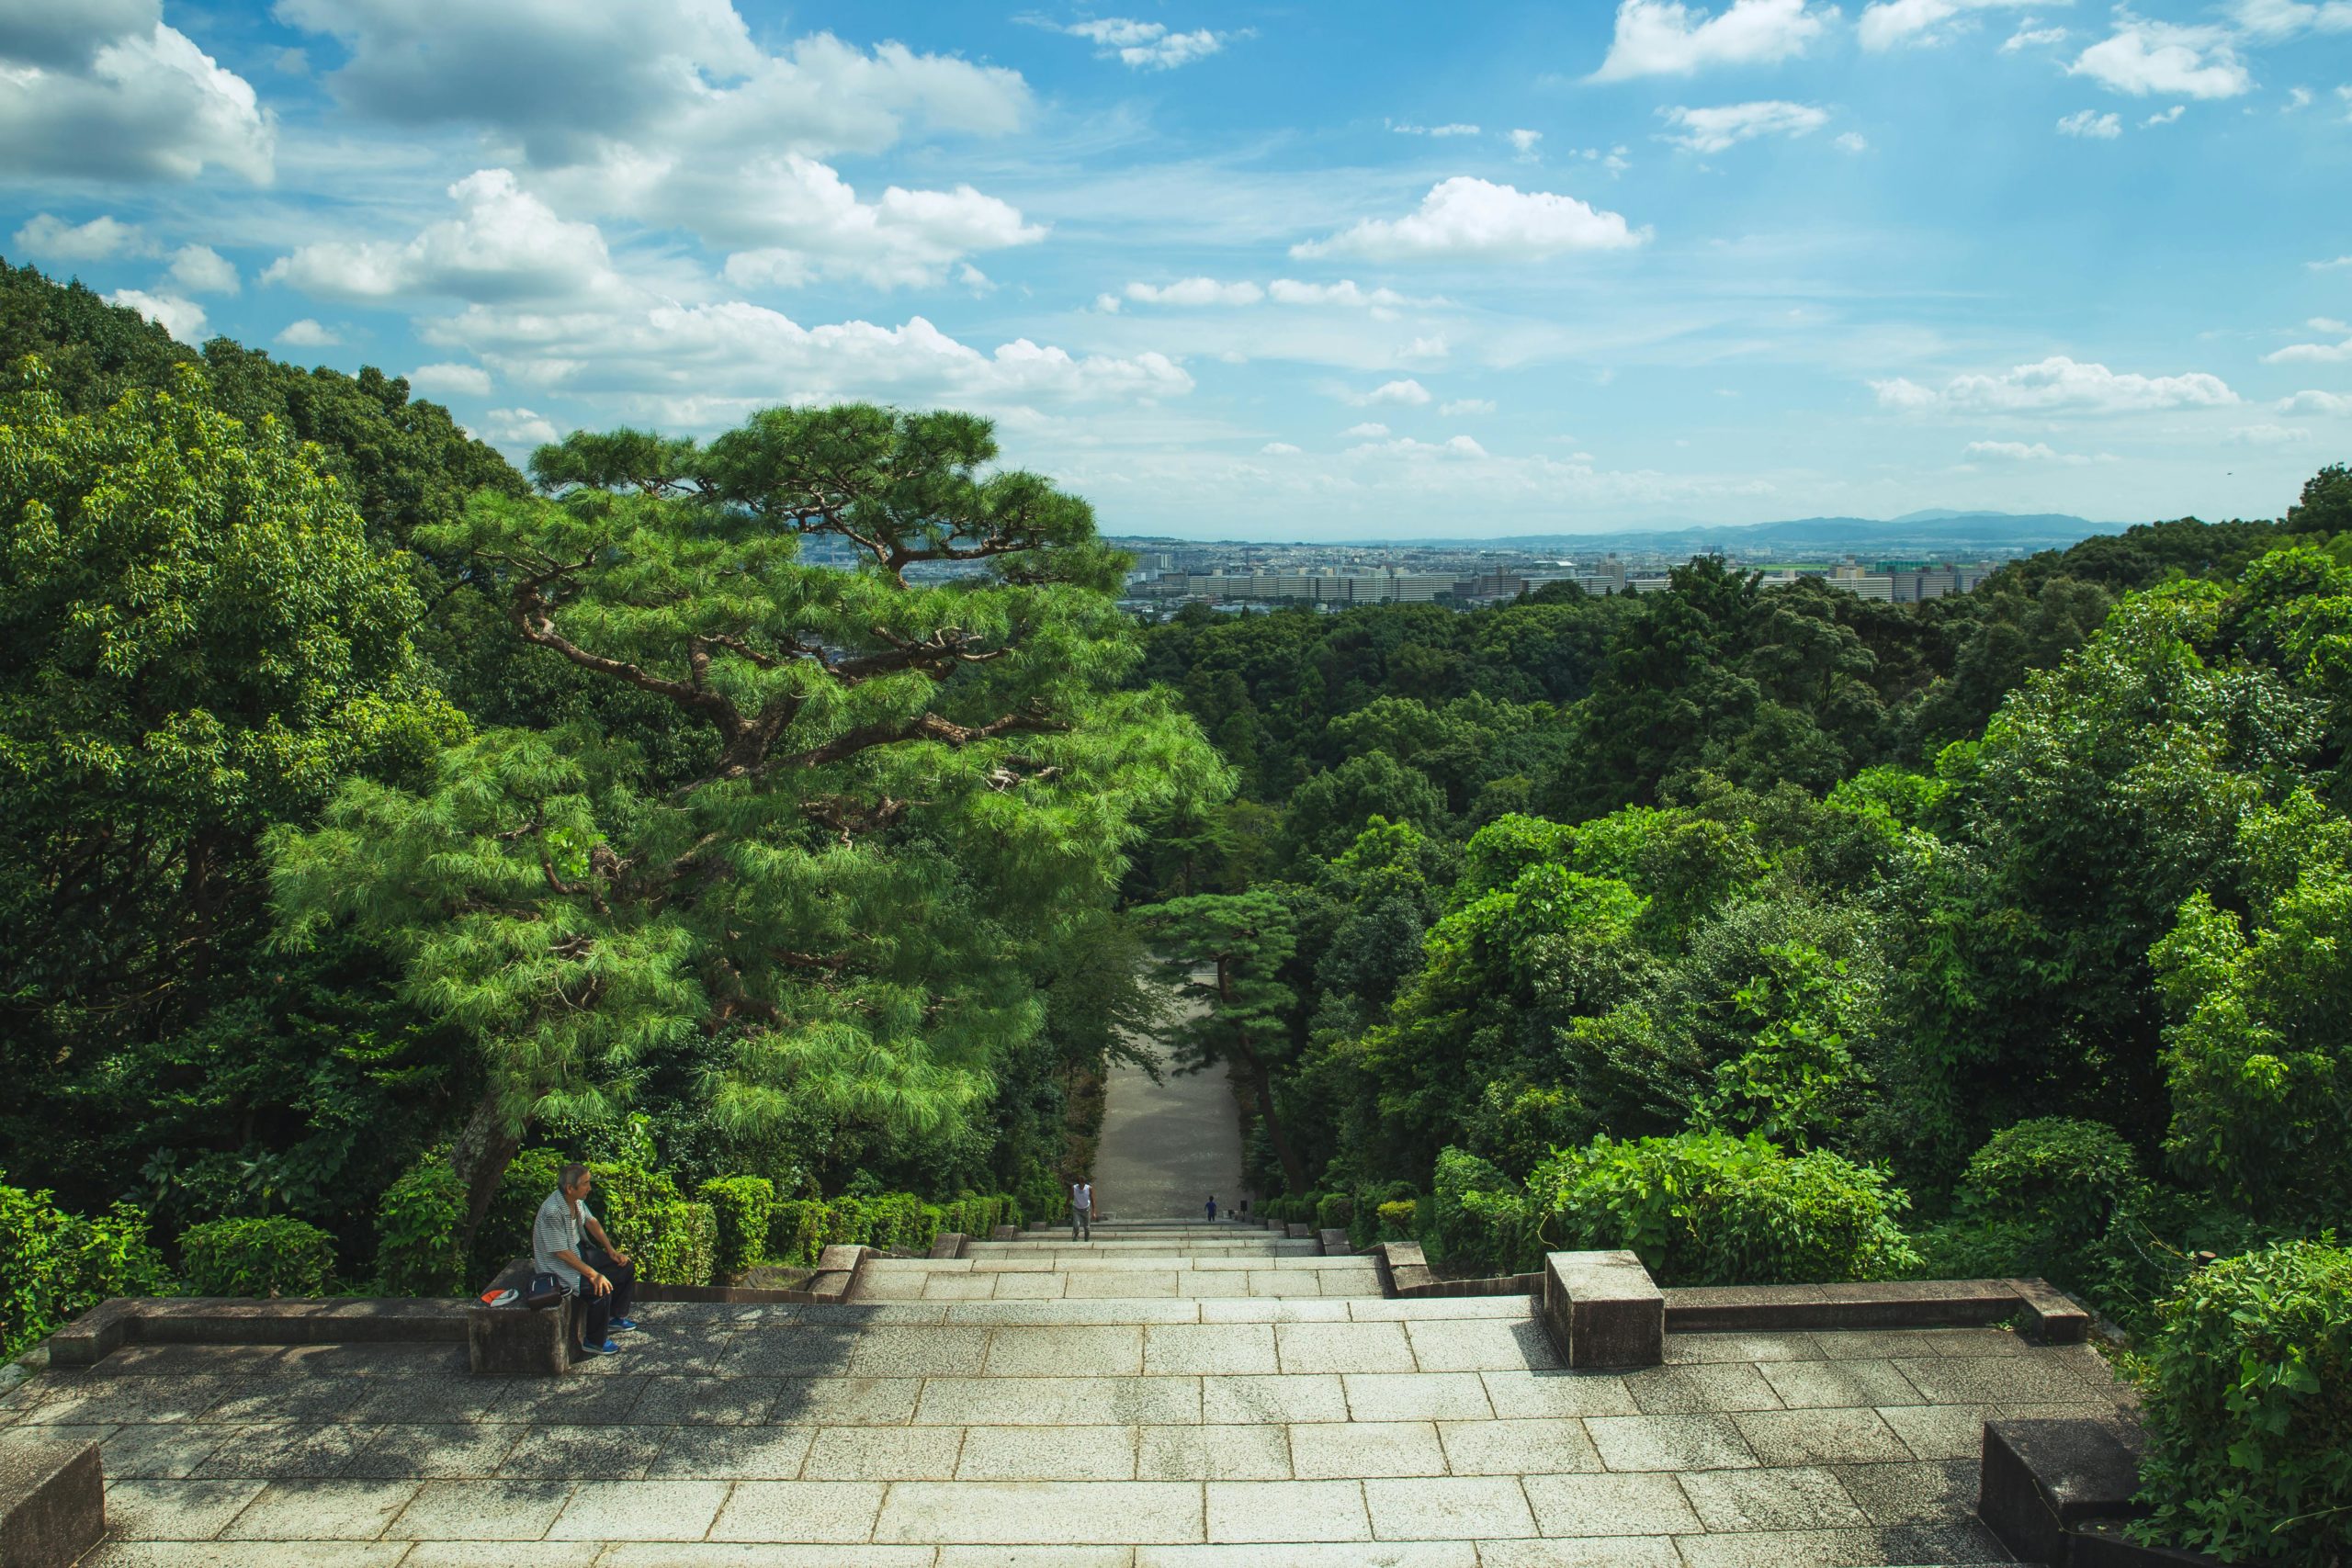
1936	531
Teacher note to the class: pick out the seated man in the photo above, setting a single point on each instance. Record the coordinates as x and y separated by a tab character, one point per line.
600	1275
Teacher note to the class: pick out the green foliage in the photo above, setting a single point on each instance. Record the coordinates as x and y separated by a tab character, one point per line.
744	1204
274	1257
2066	1176
55	1266
504	1233
1398	1217
670	1240
799	1228
1335	1212
421	1221
1710	1209
1476	1223
2249	1432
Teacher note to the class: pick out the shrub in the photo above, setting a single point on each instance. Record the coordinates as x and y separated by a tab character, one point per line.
672	1241
2249	1429
2063	1175
1710	1209
742	1204
417	1250
1334	1211
55	1266
504	1233
797	1231
1476	1223
276	1257
798	1228
1397	1219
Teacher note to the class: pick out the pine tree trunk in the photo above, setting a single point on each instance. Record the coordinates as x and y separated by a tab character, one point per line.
1261	1086
484	1148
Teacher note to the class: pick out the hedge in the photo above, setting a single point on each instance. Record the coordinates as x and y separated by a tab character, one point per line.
55	1266
277	1257
2245	1400
670	1240
798	1228
743	1205
417	1250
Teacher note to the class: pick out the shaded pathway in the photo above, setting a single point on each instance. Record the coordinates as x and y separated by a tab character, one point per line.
1167	1146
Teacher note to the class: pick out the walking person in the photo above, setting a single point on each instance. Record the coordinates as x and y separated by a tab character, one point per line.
602	1276
1081	1211
1212	1208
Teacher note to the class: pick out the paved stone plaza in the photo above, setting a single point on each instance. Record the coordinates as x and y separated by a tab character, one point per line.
1172	1395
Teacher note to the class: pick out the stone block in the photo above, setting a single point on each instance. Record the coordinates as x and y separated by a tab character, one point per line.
53	1502
2038	1479
2051	1316
519	1340
1002	1232
1404	1268
1334	1242
1298	1230
96	1335
947	1243
1603	1309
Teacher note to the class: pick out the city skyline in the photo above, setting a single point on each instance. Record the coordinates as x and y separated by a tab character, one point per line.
1310	276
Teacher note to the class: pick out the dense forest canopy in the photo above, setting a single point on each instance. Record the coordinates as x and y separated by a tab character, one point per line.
371	805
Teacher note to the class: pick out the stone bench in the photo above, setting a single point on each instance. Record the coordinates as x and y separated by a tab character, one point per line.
2041	1483
276	1320
52	1501
1602	1309
520	1340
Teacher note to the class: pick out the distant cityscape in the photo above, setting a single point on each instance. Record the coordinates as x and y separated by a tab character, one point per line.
1169	573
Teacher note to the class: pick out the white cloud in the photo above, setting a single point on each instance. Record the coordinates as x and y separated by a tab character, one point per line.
1432	346
2165	118
909	238
1892	22
1404	128
2037	452
2316	402
1278	449
505	245
520	427
2268	435
444	380
183	319
105	90
2059	385
2328	324
200	269
2091	123
2031	37
1149	46
306	334
2143	57
1371	430
1196	291
1664	37
1726	125
1405	391
2310	354
1406	447
1460	406
2273	21
1107	303
2297	98
1524	142
1290	291
1853	141
1466	217
679	81
48	239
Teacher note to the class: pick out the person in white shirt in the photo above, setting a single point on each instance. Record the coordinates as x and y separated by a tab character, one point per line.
602	1276
1081	1211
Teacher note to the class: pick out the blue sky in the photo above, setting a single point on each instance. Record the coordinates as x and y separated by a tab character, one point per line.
1316	271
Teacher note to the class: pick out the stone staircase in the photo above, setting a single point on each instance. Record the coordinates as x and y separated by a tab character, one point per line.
1126	1261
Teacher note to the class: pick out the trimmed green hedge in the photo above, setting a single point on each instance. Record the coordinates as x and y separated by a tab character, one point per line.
743	1205
2247	1409
417	1251
1711	1208
1477	1221
798	1228
506	1230
55	1266
670	1240
277	1257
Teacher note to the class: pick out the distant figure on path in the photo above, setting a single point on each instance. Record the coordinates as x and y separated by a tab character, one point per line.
1212	1206
602	1276
1081	1211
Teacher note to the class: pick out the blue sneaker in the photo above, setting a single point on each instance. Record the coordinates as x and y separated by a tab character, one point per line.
625	1324
607	1348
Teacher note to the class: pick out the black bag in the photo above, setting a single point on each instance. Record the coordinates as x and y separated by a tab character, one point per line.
543	1290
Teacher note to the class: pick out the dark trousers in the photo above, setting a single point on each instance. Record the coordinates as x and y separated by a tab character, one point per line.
598	1312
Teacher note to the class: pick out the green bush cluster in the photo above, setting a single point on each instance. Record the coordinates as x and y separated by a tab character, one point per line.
1399	1218
278	1256
1711	1208
55	1266
417	1227
743	1205
799	1228
2249	1424
672	1241
1335	1211
1476	1220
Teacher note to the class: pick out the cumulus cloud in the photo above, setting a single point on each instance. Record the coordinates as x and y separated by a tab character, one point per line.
2316	402
2274	21
445	380
908	238
521	427
1405	127
306	334
2091	123
2164	116
1712	129
2143	57
2031	37
1890	23
1406	447
1474	218
1371	430
1853	141
102	89
1346	293
1196	291
1466	406
46	238
2268	435
183	319
1524	142
672	80
1405	391
2058	385
1278	449
505	245
1664	37
2328	265
1149	46
2036	452
200	269
2310	354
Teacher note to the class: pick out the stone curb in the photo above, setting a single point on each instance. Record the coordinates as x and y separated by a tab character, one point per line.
52	1501
2060	1492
